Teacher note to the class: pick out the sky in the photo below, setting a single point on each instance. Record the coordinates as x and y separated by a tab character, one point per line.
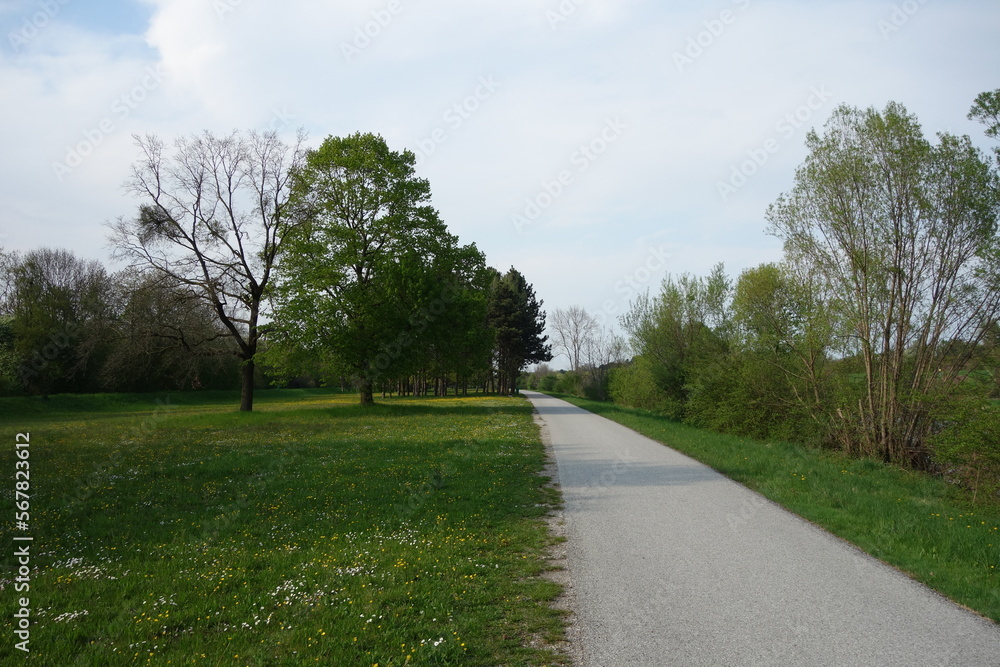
595	145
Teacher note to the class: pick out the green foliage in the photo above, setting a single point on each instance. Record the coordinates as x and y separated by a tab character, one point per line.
548	383
747	394
568	382
986	110
166	338
372	282
71	327
904	233
62	309
597	384
8	357
967	447
517	318
685	323
634	385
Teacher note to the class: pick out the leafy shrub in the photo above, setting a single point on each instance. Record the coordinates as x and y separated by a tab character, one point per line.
634	385
568	383
548	383
967	446
746	395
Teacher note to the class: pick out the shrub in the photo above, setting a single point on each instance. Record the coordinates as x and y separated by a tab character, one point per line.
967	446
747	395
568	383
634	385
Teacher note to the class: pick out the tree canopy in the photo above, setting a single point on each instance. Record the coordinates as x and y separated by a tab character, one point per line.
519	321
372	281
881	317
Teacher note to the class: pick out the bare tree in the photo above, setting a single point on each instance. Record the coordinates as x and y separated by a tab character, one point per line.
573	330
213	216
604	350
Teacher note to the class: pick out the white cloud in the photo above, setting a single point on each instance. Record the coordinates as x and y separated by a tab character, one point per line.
242	64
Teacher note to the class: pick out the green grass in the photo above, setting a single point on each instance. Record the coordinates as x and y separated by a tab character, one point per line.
114	405
309	531
919	524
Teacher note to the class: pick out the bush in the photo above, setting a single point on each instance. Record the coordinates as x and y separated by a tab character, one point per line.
548	383
568	383
747	395
967	446
634	385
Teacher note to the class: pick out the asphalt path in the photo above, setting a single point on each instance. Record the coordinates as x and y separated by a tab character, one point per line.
671	563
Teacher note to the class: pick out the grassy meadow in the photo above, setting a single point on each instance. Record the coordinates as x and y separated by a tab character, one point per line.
921	525
175	530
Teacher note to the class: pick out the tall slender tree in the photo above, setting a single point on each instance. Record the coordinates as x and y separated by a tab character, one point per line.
518	320
574	330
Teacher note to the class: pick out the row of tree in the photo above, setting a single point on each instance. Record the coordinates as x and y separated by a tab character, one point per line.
67	325
876	333
327	262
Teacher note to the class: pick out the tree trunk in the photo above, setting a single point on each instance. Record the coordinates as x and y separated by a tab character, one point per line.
365	385
246	388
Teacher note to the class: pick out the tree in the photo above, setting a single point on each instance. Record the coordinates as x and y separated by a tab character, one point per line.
784	317
518	320
443	334
8	357
904	232
351	282
986	110
61	310
166	336
686	323
604	351
574	329
9	383
214	217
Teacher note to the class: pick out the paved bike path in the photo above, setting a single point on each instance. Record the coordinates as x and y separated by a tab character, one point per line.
673	564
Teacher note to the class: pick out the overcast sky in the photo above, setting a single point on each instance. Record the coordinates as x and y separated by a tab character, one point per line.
595	145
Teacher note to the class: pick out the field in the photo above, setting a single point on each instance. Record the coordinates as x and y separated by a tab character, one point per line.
921	525
175	530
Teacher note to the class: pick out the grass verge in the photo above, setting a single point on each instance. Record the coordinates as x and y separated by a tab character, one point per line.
308	531
920	525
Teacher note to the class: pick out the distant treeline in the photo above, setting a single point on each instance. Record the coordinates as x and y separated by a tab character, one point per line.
254	263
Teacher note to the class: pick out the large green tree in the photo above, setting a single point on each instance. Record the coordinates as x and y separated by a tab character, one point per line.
677	329
438	332
354	276
904	232
785	315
